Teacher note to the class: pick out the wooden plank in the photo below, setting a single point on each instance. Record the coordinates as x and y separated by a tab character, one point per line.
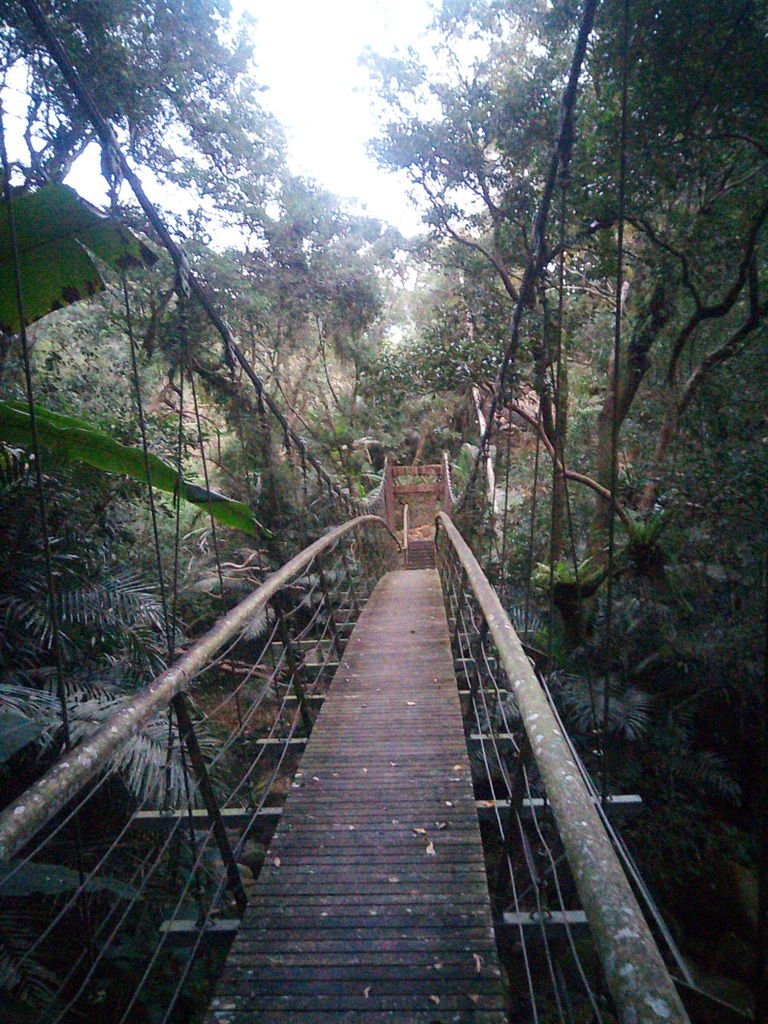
555	924
403	489
233	817
282	741
428	470
620	806
376	871
222	1014
186	931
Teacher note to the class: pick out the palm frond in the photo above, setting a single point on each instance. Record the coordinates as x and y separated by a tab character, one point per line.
629	708
23	977
259	624
14	469
527	622
149	762
708	771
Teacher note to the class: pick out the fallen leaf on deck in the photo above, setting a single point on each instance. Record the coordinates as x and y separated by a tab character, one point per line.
367	991
277	862
431	849
420	831
411	703
478	962
435	1000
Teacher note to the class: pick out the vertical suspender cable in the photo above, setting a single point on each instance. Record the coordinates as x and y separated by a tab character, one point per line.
761	958
616	375
39	483
532	528
538	257
147	467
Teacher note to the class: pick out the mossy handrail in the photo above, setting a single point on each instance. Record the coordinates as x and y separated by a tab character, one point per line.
38	804
640	984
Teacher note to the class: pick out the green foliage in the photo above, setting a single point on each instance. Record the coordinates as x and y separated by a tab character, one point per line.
23	879
16	731
74	440
585	578
159	72
56	232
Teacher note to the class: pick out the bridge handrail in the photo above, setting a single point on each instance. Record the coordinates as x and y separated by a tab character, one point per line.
635	972
23	818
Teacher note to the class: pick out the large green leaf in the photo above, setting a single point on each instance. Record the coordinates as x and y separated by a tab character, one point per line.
16	731
75	440
56	232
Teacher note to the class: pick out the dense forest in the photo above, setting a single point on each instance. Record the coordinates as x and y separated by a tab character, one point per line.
622	508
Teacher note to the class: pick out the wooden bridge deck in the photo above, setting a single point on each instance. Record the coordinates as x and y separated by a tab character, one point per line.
373	904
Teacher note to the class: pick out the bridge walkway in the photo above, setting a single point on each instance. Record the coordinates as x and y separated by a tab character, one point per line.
373	904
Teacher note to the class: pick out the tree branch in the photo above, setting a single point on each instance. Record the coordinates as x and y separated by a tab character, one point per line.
569	474
729	300
492	257
731	346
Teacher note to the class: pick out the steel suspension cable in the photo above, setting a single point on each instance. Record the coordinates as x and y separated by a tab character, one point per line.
42	501
539	252
616	375
558	448
232	351
136	381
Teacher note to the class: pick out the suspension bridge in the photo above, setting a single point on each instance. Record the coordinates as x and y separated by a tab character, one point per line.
369	808
393	751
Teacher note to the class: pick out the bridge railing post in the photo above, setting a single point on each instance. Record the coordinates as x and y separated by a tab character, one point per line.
406	528
389	495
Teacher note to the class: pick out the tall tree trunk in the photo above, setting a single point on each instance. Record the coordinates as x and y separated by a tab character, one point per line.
559	487
634	366
554	422
666	434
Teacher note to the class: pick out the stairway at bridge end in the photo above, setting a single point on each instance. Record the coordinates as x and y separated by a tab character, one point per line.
373	903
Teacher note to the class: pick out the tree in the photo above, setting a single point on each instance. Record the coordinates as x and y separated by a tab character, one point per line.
171	78
695	195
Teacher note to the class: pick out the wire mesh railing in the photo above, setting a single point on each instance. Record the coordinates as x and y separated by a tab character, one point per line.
556	879
126	867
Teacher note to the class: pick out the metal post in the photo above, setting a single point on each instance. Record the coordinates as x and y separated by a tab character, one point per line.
187	730
406	528
337	644
389	494
293	670
351	584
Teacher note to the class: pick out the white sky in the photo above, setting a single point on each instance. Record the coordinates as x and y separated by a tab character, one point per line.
307	54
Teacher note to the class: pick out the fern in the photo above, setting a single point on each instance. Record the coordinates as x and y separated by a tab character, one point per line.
150	772
14	469
629	708
22	977
708	771
259	624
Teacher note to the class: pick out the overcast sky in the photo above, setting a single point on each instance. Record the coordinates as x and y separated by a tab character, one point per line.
307	54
